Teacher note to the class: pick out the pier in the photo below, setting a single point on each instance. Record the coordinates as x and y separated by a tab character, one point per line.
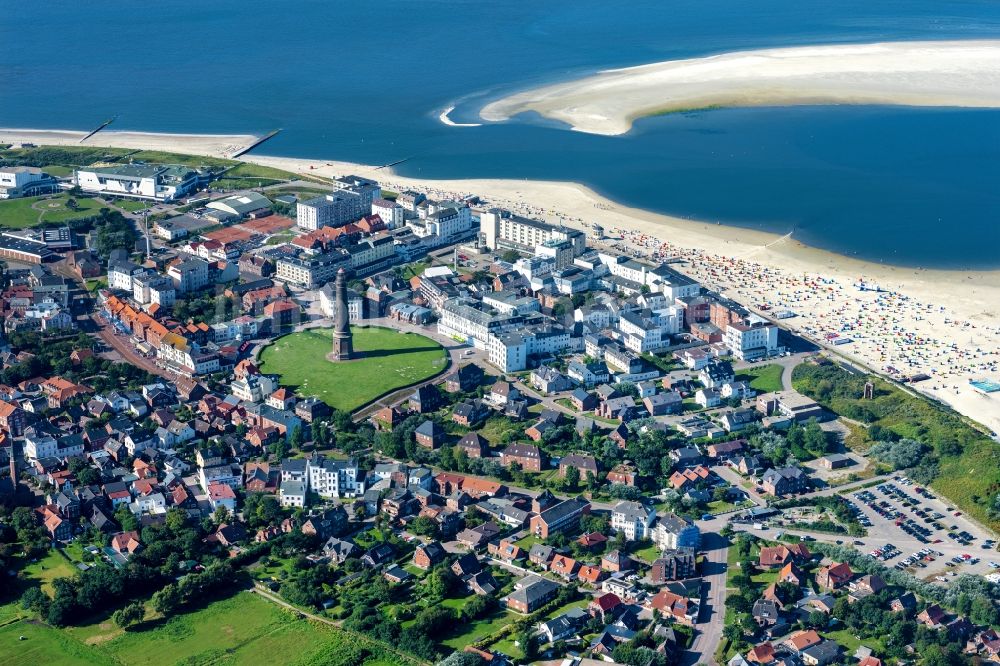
98	129
247	149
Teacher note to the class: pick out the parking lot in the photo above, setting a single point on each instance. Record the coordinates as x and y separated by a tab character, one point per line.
909	528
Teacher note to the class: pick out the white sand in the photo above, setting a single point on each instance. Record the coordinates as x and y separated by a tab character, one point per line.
943	323
211	145
943	73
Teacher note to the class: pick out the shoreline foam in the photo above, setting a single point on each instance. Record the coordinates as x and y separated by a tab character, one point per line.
751	266
926	73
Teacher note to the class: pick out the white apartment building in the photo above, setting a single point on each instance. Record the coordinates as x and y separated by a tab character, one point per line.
154	182
754	339
449	219
293	493
329	210
650	330
391	212
660	278
462	320
253	388
502	229
633	520
153	288
330	478
120	275
39	445
534	268
371	254
509	351
309	271
186	356
189	275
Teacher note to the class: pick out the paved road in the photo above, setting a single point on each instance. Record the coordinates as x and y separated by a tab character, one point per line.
713	609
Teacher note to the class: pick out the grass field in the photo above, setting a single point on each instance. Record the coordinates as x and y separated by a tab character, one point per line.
469	633
243	629
647	554
763	378
391	360
30	211
58	170
47	569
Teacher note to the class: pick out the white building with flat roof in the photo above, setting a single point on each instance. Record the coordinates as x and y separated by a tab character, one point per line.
153	182
753	339
24	181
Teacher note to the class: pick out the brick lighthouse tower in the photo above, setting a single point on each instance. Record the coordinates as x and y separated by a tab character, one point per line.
343	341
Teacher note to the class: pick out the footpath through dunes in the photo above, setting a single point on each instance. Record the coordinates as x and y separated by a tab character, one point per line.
927	73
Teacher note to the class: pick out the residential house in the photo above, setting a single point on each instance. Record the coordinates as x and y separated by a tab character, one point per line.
834	576
633	519
527	456
560	517
530	594
428	555
784	481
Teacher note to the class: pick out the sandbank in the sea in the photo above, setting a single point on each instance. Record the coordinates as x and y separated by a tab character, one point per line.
938	73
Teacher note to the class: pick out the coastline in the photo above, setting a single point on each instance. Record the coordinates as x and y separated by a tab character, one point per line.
754	267
206	145
919	73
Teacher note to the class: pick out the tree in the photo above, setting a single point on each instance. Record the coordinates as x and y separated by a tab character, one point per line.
126	518
129	615
510	256
176	520
441	582
35	600
298	438
461	659
221	515
733	633
572	478
526	641
424	526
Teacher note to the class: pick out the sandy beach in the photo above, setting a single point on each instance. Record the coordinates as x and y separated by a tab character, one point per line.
940	73
942	323
211	145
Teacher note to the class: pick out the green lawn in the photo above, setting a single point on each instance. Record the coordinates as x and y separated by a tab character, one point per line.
31	211
648	554
527	542
847	640
131	205
45	645
469	633
763	378
391	360
719	506
238	630
58	170
48	568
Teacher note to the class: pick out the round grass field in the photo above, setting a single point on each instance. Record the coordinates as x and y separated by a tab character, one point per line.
390	360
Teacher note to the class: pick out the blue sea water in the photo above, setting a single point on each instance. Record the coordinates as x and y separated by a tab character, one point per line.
365	82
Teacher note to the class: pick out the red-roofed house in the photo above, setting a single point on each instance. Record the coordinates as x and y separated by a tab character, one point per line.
603	605
834	576
126	543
